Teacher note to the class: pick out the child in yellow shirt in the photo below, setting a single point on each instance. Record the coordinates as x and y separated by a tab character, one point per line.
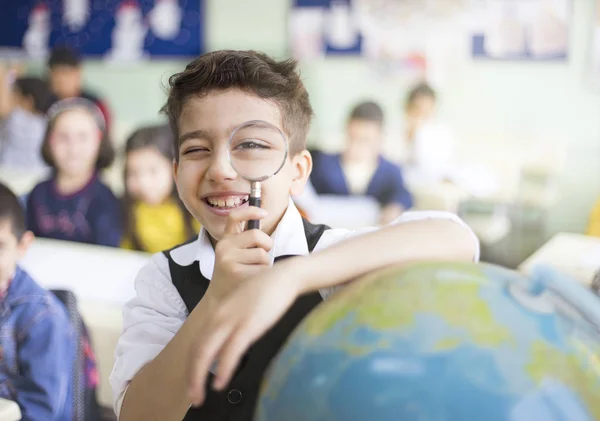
594	222
155	218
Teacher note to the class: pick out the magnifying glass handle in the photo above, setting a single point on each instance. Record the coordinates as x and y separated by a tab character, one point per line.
254	224
254	200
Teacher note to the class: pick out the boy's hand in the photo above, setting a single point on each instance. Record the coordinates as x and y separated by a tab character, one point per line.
239	254
241	318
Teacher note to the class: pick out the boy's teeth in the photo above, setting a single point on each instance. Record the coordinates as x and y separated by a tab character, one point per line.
227	202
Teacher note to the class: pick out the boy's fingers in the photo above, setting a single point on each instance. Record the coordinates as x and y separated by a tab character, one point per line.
237	217
200	365
253	256
230	357
254	238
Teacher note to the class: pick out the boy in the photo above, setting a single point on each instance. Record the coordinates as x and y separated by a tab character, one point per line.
37	344
360	169
430	144
24	102
66	79
207	300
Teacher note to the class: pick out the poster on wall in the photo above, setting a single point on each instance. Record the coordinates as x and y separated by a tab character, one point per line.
113	30
324	27
521	30
408	39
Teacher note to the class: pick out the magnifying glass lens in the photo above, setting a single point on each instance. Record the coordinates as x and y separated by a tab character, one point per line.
257	150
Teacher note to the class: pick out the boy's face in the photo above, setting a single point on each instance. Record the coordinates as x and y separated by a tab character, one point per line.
420	110
364	139
11	250
65	81
207	184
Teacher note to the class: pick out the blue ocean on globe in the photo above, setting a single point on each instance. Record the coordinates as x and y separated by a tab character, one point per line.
443	342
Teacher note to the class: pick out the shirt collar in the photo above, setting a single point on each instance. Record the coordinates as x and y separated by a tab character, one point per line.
289	239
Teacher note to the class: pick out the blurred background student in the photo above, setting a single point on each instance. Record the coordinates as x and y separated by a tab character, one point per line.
24	101
155	218
593	227
66	79
430	145
74	204
361	169
37	344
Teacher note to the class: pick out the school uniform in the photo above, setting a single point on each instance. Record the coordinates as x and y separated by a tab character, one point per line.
171	285
383	181
90	215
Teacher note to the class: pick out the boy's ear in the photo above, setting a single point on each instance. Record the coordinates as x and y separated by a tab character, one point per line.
26	239
301	167
175	168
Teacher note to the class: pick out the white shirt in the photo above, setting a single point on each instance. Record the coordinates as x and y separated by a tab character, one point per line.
358	176
157	312
21	136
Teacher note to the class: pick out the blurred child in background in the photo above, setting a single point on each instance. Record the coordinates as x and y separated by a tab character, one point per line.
593	228
73	204
155	218
24	102
66	79
37	344
430	145
360	169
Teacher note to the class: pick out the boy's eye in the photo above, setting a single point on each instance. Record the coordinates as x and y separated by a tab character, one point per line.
192	150
251	144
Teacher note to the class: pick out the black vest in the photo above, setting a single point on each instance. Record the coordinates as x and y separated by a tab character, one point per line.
238	401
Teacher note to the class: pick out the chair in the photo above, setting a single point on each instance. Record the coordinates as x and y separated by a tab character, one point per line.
85	405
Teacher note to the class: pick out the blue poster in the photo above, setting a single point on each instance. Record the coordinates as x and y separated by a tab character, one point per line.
118	30
324	27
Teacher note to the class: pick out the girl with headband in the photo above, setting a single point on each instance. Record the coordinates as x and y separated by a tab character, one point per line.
74	205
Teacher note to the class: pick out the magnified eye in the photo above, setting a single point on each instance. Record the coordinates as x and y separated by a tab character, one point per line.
251	144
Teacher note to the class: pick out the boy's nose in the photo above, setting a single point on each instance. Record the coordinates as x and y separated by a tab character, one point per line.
220	168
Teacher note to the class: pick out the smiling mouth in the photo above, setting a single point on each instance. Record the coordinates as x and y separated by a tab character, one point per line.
226	202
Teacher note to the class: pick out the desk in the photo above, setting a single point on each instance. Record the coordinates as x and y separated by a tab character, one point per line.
9	411
575	255
94	273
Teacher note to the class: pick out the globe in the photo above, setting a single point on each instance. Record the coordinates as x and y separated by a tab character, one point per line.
442	342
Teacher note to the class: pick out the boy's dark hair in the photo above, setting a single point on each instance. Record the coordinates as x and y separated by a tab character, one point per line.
12	211
249	71
106	152
420	91
368	111
64	56
158	137
38	89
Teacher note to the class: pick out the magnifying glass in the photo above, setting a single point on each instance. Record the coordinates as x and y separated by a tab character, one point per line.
257	151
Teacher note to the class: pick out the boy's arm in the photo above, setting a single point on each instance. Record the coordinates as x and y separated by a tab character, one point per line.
45	356
6	97
151	373
149	379
258	303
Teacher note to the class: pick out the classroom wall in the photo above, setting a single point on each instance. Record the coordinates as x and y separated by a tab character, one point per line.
487	103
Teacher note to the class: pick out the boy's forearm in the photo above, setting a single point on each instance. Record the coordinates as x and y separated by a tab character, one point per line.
397	244
159	390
